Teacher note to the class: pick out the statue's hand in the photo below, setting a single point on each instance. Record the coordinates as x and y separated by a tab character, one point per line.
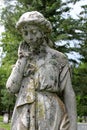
23	50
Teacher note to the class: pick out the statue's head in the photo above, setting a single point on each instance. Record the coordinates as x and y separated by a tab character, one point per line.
34	27
34	18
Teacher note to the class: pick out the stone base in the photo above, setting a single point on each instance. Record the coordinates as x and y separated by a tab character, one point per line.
82	126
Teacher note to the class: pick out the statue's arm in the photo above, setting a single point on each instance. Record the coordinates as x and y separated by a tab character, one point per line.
70	103
14	80
69	98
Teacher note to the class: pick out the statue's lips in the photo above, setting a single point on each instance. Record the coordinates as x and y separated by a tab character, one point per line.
32	41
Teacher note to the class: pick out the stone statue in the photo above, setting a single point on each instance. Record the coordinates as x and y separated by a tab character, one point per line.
40	75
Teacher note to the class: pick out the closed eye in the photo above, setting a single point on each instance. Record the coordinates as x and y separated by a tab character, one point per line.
34	31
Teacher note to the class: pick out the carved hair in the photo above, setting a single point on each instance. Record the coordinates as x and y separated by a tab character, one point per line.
34	18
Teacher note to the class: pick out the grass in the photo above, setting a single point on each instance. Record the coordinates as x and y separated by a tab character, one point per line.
3	125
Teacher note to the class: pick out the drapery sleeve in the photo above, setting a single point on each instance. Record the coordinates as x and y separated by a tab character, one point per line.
69	96
14	81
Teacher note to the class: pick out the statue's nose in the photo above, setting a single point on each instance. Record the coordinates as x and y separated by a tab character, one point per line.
30	36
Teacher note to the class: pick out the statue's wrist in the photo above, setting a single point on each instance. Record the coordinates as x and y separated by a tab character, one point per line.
23	56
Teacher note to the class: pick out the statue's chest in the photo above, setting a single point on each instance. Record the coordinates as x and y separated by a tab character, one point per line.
36	63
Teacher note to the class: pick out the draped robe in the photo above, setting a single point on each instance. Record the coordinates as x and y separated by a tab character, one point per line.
38	105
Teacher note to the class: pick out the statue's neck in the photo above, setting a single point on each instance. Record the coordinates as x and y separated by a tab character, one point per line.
38	49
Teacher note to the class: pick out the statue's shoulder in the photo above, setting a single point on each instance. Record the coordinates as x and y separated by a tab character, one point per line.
59	56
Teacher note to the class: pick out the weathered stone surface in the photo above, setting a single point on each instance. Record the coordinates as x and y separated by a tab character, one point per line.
82	126
40	75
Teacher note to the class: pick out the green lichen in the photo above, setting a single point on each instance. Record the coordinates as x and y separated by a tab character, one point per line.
41	111
31	94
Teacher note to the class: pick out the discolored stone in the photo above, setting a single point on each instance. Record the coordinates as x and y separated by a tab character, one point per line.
40	75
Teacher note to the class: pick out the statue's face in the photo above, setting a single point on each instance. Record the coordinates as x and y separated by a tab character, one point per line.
32	35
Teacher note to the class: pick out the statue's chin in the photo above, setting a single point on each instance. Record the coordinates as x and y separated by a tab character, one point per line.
35	44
